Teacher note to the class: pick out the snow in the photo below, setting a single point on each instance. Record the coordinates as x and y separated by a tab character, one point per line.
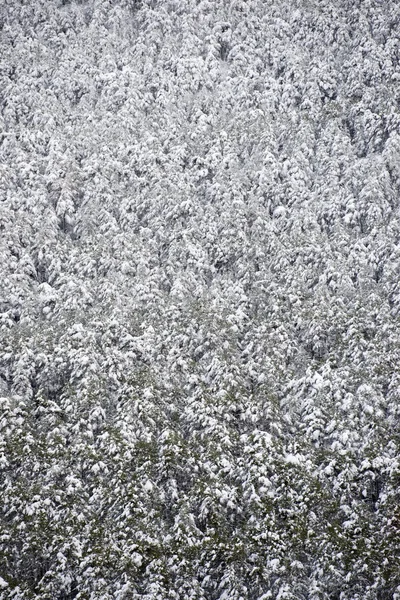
199	298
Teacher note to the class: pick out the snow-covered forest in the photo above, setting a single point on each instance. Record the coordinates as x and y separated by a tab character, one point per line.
200	299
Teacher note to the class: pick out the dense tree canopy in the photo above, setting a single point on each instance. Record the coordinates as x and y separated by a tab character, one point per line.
199	299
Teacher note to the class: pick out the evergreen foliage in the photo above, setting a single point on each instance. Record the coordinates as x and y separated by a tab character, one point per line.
199	300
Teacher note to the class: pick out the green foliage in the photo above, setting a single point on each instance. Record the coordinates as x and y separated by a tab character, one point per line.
199	300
